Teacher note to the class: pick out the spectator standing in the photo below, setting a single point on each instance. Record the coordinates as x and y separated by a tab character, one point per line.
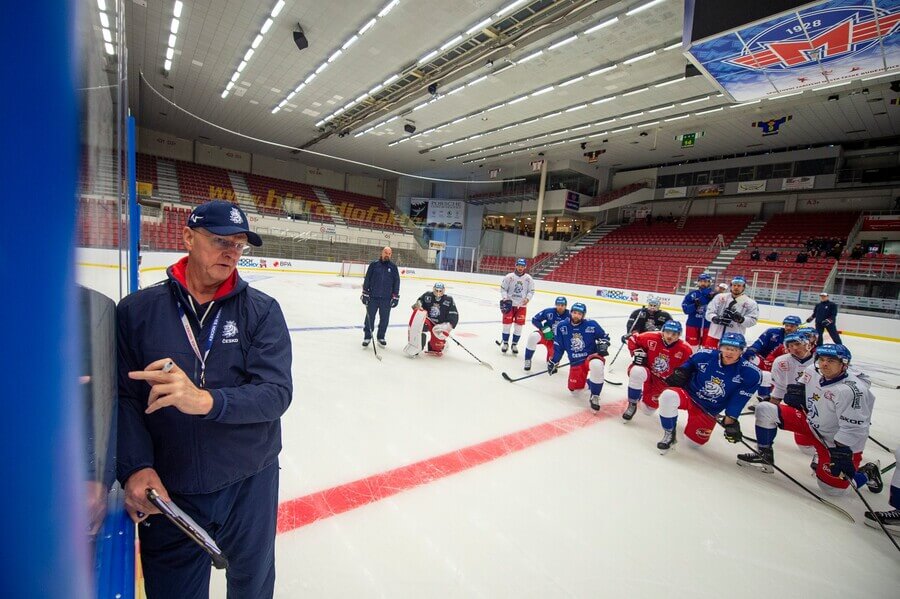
204	365
380	293
825	315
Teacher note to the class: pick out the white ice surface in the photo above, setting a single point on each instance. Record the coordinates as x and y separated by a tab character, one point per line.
597	512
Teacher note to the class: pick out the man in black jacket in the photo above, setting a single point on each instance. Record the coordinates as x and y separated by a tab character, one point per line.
648	318
825	314
381	292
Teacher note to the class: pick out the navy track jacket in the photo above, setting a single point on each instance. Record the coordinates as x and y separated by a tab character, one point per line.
248	374
382	280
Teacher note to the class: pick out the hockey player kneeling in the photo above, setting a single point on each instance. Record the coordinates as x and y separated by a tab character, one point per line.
433	313
655	355
834	402
546	322
708	383
587	344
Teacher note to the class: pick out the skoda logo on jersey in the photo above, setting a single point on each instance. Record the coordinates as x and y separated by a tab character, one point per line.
577	342
824	36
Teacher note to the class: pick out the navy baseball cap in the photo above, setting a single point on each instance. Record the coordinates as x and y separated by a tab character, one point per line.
222	218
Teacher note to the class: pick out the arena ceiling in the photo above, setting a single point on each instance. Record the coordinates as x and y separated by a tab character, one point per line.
491	109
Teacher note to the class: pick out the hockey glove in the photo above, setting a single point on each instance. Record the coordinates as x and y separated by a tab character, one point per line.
733	316
364	298
505	306
442	331
624	338
697	303
809	319
547	332
552	367
733	432
678	378
394	301
640	357
603	348
417	305
795	396
841	461
721	320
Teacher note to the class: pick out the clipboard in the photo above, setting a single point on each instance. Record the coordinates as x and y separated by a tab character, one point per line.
187	525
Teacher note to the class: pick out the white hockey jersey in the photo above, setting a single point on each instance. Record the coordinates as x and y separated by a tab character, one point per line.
517	288
786	370
840	409
742	304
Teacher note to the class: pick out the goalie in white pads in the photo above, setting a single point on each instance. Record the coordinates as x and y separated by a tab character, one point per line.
838	405
730	313
434	313
516	290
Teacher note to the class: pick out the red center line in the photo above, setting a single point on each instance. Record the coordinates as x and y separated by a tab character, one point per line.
295	513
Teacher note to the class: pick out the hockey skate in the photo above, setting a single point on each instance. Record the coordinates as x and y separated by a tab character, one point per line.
595	402
630	410
527	365
382	342
515	348
873	473
762	461
366	342
504	347
667	442
891	521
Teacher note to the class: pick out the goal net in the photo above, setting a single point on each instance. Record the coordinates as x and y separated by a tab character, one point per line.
353	268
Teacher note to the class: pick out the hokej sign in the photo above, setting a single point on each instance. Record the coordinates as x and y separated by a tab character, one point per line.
827	42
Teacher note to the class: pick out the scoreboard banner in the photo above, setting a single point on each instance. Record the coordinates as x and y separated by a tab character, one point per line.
825	42
446	214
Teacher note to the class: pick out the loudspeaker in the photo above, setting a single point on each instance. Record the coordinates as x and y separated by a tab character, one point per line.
300	39
409	128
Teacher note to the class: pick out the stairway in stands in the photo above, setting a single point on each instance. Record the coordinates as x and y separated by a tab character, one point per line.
589	239
720	263
241	190
167	181
329	207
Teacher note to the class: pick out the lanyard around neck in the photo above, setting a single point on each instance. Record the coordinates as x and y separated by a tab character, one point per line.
192	340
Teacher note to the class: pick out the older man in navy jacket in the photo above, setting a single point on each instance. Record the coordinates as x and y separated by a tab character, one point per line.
380	293
204	432
825	315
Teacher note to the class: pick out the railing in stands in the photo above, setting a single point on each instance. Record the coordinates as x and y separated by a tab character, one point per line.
863	269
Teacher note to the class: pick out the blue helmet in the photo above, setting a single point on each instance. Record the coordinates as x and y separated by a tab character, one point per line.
739	280
653	301
704	277
672	326
521	262
794	320
808	332
578	307
733	340
796	336
834	350
561	300
438	286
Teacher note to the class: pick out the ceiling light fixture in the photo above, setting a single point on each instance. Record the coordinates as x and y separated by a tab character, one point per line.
661	108
478	26
509	7
720	108
603	70
574	108
571	81
621	130
388	8
428	56
599	26
703	99
669	82
257	40
643	7
677	118
562	43
635	59
451	42
540	92
636	91
530	56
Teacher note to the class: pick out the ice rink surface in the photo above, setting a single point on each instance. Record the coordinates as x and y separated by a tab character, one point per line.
434	477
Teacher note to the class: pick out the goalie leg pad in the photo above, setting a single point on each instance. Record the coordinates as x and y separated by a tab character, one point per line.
416	336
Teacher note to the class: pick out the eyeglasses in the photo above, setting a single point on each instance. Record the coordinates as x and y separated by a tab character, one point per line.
225	245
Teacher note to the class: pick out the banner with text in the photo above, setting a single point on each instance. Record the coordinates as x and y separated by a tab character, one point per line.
751	186
675	192
445	214
798	183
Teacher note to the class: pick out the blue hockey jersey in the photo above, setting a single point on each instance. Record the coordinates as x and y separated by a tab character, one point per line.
767	342
716	387
695	313
548	317
578	341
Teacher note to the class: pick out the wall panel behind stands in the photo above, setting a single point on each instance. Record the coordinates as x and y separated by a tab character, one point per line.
222	157
164	145
369	186
290	170
324	177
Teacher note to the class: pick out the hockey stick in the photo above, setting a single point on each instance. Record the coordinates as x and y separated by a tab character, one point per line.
489	367
372	330
528	376
858	494
824	502
613	361
887	469
880	444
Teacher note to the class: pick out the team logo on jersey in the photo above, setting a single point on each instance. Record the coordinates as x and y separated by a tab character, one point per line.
679	355
660	364
815	397
434	311
652	345
855	403
229	331
737	379
577	342
702	367
517	288
829	395
714	388
823	37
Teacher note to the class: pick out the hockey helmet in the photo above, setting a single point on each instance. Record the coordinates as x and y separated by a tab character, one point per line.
793	320
705	277
739	280
561	301
792	337
808	332
672	326
733	340
439	287
521	262
653	301
578	307
834	350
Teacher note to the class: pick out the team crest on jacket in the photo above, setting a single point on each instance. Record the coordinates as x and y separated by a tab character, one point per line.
660	364
577	342
230	329
235	216
714	388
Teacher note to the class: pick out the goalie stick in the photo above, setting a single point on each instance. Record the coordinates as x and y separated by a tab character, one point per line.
480	361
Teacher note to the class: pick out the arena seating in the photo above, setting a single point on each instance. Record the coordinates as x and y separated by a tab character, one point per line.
360	210
654	257
506	264
787	234
98	223
198	183
146	169
615	194
269	194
